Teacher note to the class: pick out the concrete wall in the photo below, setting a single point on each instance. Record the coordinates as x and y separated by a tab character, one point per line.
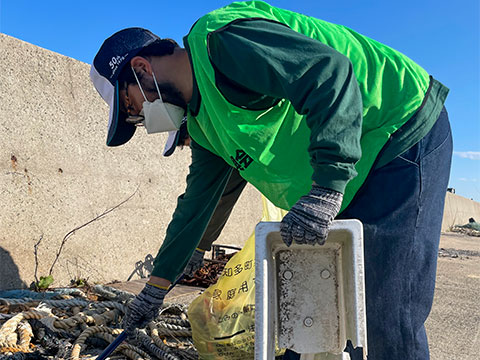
458	210
56	173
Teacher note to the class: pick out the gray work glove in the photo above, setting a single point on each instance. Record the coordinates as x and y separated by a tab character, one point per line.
308	220
144	308
195	263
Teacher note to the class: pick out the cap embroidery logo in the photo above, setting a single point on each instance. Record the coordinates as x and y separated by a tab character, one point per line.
115	63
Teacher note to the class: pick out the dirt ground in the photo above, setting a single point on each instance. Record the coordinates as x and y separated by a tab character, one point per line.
454	324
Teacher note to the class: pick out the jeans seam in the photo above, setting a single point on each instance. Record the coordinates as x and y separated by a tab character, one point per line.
407	160
413	247
408	306
439	145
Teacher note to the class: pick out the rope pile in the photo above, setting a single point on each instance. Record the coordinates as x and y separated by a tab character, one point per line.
73	326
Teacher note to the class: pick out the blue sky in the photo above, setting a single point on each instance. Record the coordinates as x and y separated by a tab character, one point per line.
443	36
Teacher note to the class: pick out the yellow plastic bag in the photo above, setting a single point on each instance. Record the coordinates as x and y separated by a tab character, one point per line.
223	317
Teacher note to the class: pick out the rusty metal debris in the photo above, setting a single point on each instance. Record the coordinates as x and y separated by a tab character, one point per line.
82	325
211	271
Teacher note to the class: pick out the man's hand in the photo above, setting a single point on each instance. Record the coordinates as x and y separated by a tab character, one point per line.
144	308
309	219
195	263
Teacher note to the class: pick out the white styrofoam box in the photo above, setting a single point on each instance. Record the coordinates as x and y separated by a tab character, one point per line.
310	298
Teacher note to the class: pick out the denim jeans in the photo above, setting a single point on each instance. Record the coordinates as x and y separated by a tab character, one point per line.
401	208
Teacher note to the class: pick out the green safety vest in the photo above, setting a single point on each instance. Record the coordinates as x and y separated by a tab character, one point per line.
270	147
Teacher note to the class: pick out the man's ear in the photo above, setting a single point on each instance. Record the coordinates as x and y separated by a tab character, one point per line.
140	64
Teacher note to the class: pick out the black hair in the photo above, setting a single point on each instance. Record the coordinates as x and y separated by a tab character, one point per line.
159	47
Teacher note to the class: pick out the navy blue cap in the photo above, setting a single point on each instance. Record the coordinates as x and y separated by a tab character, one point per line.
114	54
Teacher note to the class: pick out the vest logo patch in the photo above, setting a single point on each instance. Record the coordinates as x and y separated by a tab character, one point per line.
241	160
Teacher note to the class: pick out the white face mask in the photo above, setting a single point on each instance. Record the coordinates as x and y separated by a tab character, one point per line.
160	116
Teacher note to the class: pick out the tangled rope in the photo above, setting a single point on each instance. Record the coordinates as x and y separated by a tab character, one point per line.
75	355
80	327
173	330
